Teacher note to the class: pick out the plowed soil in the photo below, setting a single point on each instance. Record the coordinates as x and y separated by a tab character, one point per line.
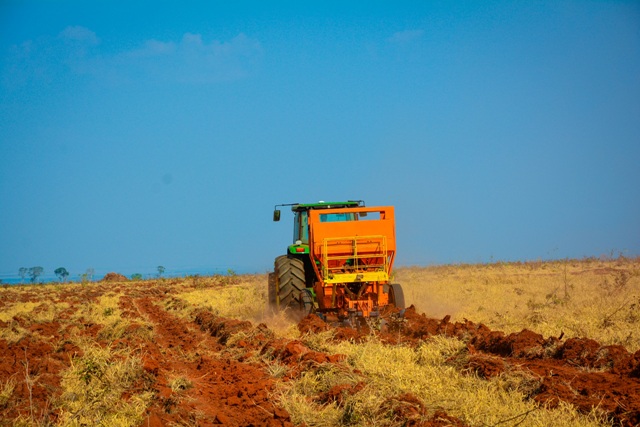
222	384
222	391
579	370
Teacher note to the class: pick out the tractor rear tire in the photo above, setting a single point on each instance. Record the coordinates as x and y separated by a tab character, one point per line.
396	296
290	281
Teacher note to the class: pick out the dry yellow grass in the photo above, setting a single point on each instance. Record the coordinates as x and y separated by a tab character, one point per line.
43	309
245	298
242	299
586	298
582	298
93	389
390	371
592	298
94	386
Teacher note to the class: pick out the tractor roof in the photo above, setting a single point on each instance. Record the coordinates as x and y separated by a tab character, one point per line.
298	207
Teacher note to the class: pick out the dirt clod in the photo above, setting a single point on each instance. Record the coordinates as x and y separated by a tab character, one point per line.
114	277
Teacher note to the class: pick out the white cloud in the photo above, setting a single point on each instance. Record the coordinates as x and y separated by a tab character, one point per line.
406	36
79	34
76	50
192	60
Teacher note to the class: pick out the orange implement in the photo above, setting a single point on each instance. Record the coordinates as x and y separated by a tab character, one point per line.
341	260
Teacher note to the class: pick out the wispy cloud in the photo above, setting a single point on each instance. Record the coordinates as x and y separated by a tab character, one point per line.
77	51
192	60
79	34
406	36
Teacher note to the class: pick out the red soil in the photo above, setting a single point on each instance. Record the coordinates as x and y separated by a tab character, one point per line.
579	370
217	360
114	277
223	391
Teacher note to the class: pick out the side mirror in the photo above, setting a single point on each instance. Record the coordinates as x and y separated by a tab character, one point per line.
276	215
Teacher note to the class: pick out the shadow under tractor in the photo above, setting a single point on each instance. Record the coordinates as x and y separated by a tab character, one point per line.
339	265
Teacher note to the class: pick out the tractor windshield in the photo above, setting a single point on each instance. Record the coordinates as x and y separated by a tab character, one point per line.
337	217
301	227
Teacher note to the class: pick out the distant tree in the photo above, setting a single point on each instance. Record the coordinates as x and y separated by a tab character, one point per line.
62	273
23	273
136	276
34	272
160	270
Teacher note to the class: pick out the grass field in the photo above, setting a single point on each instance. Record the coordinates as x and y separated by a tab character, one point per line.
582	298
139	352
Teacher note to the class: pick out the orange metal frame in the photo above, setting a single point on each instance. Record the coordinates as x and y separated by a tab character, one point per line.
359	252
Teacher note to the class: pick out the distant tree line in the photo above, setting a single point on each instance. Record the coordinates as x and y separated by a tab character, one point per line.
61	273
34	272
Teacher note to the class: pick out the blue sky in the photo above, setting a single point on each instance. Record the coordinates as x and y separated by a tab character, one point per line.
138	135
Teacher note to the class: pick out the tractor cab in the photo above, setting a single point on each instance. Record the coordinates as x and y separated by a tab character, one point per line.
340	260
301	217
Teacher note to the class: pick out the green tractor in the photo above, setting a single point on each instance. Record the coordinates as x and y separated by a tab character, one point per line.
340	262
